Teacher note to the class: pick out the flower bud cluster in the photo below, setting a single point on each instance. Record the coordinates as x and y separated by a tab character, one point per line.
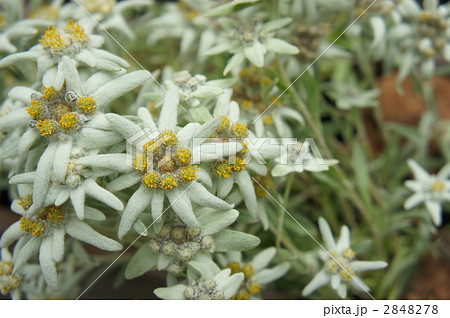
203	289
177	240
59	112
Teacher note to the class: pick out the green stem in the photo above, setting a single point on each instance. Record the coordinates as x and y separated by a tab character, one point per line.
291	247
354	197
428	95
287	191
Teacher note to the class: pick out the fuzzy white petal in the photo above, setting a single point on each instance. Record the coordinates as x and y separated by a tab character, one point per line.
83	232
140	199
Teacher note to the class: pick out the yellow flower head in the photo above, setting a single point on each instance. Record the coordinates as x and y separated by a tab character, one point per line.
86	105
223	125
235	267
223	169
36	110
253	287
52	40
187	173
151	180
183	156
246	104
168	181
53	215
168	138
49	92
140	163
248	271
35	228
239	164
349	253
242	294
239	131
47	127
346	275
7	283
437	186
76	30
152	148
69	122
267	120
275	101
5	268
25	202
58	41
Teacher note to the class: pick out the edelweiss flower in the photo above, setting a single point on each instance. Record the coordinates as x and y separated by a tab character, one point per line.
184	20
429	189
9	281
269	121
221	285
251	157
340	268
256	273
245	37
193	88
423	35
62	114
45	232
196	93
348	94
163	163
175	245
299	159
109	13
67	47
69	180
9	32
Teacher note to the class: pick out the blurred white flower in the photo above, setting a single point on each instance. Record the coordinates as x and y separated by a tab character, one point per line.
256	273
247	38
430	189
67	47
218	287
422	36
44	234
340	266
299	158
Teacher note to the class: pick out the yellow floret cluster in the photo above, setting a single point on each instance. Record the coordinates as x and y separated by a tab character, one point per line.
47	217
8	280
47	127
36	110
53	215
164	164
224	169
68	122
26	201
35	228
86	105
69	40
239	130
248	286
53	114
